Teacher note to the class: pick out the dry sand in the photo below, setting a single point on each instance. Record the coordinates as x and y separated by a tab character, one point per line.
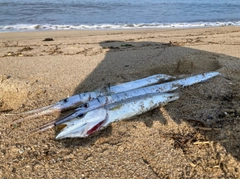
197	136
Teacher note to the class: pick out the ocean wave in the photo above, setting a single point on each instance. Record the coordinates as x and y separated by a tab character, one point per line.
38	27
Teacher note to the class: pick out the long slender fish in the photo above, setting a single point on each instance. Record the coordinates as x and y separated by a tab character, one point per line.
105	100
76	100
161	88
100	118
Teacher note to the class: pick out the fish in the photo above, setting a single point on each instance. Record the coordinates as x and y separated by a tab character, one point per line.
100	118
121	97
160	88
78	99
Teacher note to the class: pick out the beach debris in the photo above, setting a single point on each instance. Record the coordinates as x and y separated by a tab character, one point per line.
26	48
93	111
48	39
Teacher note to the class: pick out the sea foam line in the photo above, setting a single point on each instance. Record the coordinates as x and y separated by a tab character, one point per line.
33	27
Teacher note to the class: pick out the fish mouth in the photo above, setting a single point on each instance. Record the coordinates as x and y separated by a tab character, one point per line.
60	128
82	126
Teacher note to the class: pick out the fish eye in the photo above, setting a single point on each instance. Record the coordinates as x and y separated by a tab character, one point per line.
86	105
80	115
65	100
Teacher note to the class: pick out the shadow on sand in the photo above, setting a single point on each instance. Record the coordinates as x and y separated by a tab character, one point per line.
209	110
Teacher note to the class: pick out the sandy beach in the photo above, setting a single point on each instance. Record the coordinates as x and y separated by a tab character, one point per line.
196	136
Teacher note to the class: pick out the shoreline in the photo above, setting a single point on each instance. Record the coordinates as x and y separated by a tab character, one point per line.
106	31
133	26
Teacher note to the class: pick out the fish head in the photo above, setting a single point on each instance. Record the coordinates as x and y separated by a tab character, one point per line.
68	103
84	126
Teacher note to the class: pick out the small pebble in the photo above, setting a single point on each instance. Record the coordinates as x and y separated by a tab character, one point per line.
21	151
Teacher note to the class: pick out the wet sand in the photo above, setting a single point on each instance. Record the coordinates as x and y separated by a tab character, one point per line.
196	136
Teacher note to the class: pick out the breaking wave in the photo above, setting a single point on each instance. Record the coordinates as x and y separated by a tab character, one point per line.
38	27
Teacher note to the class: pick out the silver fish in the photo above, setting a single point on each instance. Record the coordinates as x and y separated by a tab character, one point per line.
115	98
76	100
161	88
99	118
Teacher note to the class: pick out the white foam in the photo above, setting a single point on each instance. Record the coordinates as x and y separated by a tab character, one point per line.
34	27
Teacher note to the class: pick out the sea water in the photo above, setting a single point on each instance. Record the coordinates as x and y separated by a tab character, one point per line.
23	15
